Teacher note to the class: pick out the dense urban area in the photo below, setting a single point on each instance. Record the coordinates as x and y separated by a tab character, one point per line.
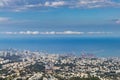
38	65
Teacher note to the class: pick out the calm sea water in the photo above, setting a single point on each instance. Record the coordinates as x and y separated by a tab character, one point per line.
97	46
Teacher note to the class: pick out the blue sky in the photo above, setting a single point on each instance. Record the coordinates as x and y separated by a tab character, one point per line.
60	17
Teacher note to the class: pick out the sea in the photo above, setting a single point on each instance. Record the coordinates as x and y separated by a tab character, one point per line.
105	47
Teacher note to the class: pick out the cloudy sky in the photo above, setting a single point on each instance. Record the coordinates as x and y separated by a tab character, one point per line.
60	17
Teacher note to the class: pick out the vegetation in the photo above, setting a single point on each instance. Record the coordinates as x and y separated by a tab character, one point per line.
37	67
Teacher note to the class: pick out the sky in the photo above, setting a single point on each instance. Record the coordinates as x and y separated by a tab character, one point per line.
60	18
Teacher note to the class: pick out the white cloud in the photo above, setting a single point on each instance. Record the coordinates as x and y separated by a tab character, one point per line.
18	5
37	32
70	32
99	32
29	32
1	4
32	5
96	3
54	33
4	19
9	3
54	4
117	21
